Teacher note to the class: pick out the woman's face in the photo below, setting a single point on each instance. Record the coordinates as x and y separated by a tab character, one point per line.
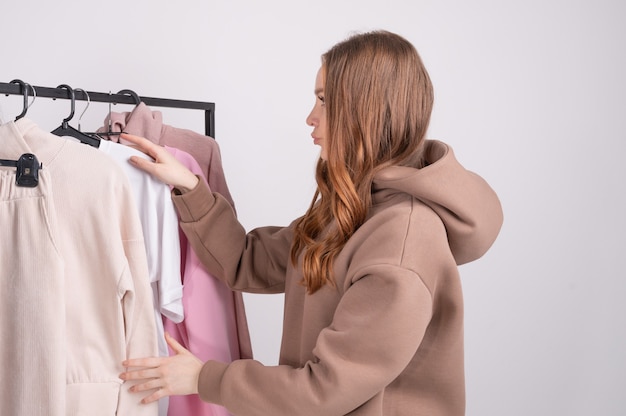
317	117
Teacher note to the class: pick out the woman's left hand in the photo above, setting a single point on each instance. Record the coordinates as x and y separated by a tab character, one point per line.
174	375
165	167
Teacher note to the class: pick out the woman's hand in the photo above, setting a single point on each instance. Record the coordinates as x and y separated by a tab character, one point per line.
165	167
174	375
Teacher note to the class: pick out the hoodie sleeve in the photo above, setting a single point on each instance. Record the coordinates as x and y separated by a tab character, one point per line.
254	262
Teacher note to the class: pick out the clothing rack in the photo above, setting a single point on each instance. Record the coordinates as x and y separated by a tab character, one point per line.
119	98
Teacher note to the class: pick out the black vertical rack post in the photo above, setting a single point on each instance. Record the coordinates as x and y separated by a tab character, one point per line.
62	93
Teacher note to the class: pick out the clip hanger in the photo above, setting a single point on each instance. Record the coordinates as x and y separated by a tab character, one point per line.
27	169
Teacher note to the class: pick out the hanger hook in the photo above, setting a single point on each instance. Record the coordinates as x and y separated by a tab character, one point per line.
132	94
25	87
86	107
73	99
34	95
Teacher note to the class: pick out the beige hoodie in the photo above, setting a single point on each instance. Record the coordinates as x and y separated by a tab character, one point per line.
106	313
389	339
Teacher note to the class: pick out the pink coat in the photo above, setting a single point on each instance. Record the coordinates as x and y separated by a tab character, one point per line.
210	328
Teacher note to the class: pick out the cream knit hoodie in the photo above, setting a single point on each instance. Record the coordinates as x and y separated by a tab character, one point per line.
104	310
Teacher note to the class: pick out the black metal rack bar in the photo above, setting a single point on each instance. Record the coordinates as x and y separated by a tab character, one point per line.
102	97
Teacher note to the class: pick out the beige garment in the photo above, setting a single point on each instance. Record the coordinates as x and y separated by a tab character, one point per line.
105	314
32	311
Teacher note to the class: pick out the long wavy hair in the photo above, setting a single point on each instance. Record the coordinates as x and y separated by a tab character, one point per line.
378	99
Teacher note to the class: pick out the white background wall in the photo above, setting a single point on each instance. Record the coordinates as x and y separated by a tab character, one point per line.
531	94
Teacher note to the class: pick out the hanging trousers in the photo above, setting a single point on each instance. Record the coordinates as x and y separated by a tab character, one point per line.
32	311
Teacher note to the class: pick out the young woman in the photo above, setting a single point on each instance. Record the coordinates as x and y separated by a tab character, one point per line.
373	314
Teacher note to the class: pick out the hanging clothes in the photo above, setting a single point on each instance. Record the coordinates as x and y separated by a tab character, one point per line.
107	309
142	121
215	324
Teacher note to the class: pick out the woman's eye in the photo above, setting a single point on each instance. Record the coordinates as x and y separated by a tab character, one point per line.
321	98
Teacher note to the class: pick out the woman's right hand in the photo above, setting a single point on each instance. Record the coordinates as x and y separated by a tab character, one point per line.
164	376
165	166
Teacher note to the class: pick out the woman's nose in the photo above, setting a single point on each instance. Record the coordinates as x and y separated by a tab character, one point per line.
311	120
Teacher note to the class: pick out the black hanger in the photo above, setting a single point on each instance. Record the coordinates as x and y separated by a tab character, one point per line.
66	130
137	99
133	94
27	169
25	87
27	165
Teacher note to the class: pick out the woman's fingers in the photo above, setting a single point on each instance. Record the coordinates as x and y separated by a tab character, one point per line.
144	145
164	166
143	374
144	362
141	143
144	164
149	379
175	345
153	397
148	385
176	374
155	385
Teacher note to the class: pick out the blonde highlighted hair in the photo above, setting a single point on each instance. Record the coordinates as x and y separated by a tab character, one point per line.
378	99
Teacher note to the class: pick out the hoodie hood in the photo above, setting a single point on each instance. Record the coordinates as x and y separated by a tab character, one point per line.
469	209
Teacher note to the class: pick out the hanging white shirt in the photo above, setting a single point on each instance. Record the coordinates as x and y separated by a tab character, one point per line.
160	227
